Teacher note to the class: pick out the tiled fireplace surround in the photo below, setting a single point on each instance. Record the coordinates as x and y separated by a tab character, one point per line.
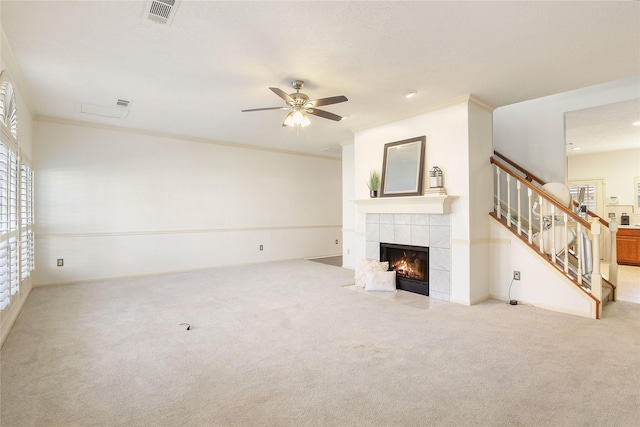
430	230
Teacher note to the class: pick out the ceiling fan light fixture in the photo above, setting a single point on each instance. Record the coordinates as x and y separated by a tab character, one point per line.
297	118
300	106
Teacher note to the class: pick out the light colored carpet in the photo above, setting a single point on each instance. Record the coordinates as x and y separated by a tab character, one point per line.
329	260
290	344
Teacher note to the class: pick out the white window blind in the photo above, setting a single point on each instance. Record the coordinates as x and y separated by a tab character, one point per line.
5	296
16	202
589	195
13	266
4	188
26	221
8	109
9	255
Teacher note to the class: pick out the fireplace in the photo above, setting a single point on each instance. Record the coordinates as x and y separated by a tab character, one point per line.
411	264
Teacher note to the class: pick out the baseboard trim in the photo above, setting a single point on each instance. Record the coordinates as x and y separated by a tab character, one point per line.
157	273
545	306
6	327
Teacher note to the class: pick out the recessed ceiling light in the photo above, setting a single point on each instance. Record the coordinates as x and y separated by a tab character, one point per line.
636	123
576	148
410	93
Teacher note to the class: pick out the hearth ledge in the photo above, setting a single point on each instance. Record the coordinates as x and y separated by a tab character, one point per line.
406	205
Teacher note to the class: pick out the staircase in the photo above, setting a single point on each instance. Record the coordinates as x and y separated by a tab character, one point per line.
566	235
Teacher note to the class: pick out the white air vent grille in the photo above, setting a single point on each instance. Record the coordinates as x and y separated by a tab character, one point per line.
162	11
102	111
122	103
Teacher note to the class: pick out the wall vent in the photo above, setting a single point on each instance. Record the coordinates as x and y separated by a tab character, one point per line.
161	11
122	103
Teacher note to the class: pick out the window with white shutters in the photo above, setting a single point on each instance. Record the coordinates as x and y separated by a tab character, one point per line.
5	295
589	195
8	110
26	221
16	202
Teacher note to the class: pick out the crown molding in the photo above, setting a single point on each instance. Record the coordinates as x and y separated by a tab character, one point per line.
463	99
55	120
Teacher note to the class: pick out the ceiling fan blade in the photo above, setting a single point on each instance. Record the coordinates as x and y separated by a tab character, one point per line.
282	94
324	114
264	109
327	101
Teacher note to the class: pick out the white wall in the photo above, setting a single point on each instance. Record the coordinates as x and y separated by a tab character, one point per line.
541	284
618	170
458	140
531	133
348	207
115	203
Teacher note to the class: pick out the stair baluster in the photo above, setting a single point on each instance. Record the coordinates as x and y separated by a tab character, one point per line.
530	230
548	210
596	279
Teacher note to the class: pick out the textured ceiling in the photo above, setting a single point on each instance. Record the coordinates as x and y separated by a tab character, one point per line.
193	77
603	128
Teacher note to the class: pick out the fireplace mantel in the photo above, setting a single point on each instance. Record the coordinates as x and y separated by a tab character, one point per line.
431	204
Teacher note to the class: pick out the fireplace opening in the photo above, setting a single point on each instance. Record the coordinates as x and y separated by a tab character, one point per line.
411	264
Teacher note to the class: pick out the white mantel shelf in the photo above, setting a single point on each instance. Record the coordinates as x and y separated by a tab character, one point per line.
406	205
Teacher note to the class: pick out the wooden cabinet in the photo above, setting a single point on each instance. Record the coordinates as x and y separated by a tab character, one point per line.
628	246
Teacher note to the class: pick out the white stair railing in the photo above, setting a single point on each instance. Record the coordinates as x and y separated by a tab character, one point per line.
566	238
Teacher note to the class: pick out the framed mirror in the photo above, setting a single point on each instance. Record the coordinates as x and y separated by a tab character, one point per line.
403	168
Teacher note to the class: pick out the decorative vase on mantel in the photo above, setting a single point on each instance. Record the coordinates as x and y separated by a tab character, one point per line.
373	193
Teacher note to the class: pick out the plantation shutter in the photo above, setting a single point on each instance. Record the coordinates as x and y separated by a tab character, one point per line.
589	195
13	191
26	221
9	262
4	188
13	266
5	297
8	110
16	202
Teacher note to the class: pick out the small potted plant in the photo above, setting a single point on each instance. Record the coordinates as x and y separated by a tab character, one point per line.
373	183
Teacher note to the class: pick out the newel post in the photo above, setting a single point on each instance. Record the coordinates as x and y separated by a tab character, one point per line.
596	279
613	264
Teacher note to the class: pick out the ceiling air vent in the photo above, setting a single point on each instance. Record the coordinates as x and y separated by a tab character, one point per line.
161	11
102	111
120	111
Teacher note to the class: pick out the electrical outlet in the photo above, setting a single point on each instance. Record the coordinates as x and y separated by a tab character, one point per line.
60	262
516	275
261	247
336	241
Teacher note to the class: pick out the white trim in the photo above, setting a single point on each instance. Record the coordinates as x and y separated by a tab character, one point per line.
406	205
550	307
156	273
13	311
472	242
46	119
464	99
194	231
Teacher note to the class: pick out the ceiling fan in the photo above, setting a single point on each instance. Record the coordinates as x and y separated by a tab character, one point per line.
300	106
